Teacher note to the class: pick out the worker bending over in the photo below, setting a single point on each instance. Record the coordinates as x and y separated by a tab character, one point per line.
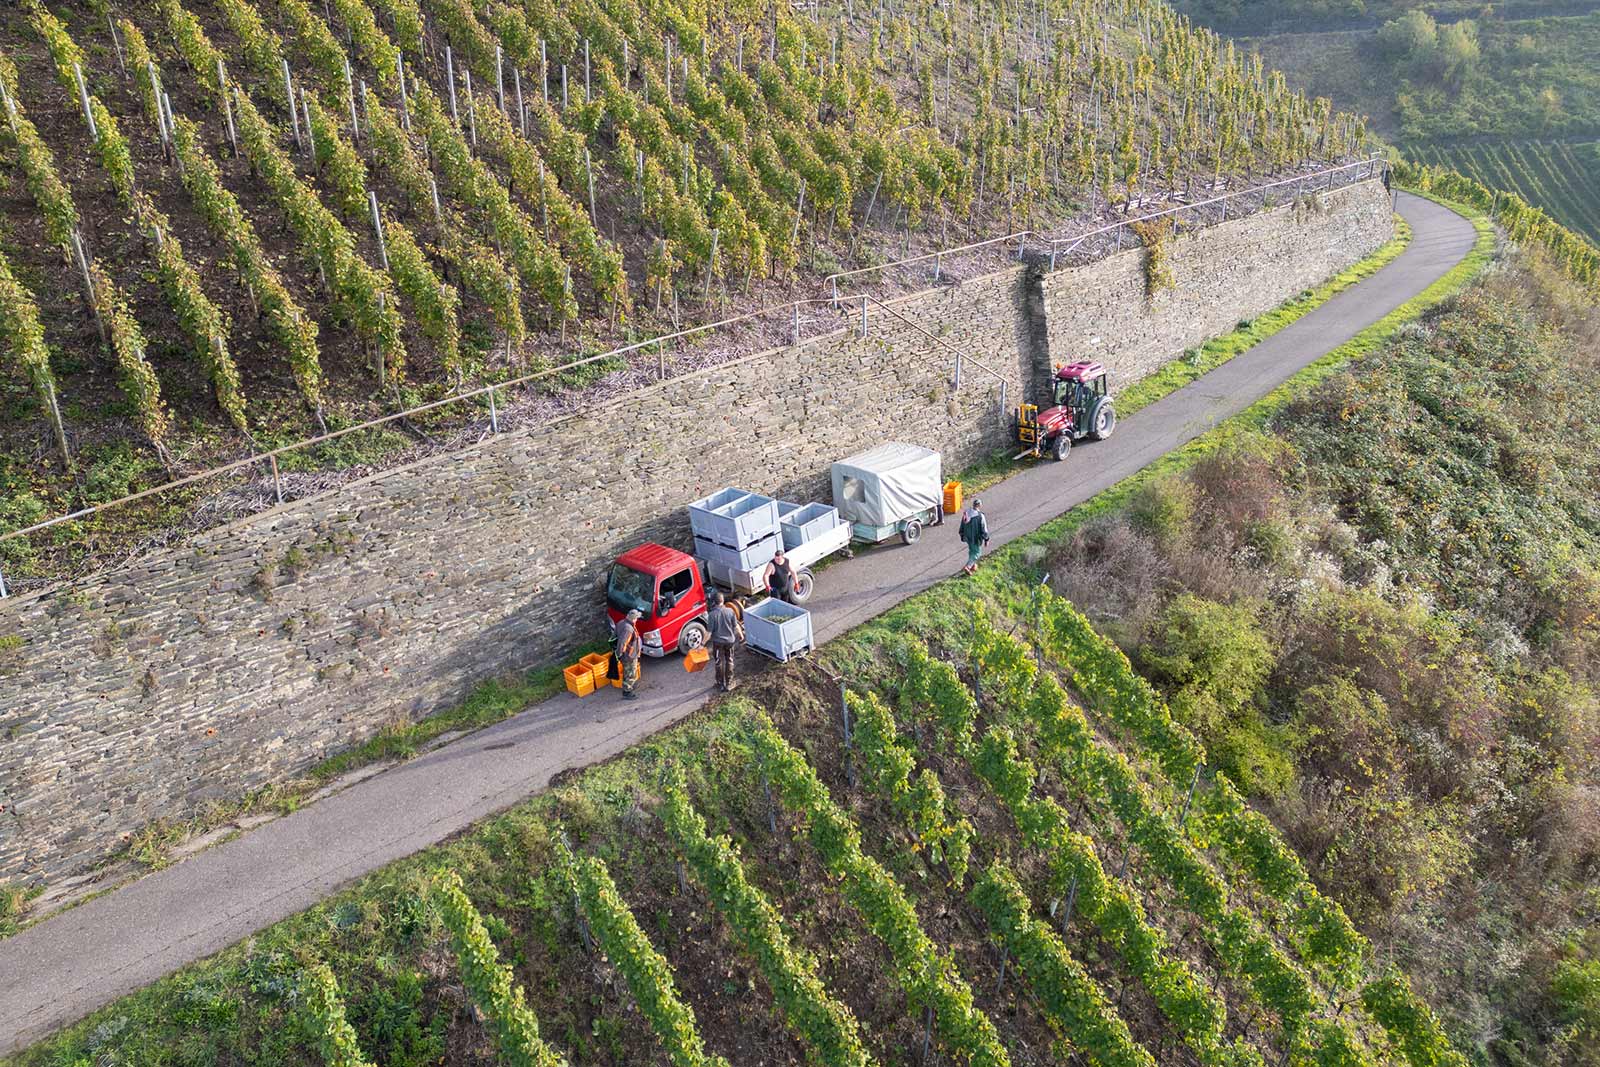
726	633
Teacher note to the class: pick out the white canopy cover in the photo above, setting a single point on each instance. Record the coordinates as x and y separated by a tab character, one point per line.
887	483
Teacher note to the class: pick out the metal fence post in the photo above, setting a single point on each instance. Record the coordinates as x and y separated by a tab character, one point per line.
3	591
797	322
936	266
863	316
1002	401
494	416
835	283
277	483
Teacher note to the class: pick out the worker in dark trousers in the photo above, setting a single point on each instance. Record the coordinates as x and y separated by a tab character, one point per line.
629	645
726	633
974	532
781	578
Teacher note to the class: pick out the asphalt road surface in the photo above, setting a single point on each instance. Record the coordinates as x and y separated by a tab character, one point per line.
64	968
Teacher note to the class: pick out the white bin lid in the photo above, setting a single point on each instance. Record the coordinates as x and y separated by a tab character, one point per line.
887	483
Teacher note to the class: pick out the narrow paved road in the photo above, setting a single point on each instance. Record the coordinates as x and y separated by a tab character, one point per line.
67	966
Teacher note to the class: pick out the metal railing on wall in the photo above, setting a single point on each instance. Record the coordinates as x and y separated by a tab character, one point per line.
1054	251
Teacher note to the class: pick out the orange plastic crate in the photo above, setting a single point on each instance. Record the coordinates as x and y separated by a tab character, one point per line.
952	497
580	679
696	660
599	664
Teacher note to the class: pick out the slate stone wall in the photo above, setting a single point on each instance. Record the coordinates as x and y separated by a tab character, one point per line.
204	670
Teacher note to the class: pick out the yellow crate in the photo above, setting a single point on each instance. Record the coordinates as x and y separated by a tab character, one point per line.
952	497
599	664
580	679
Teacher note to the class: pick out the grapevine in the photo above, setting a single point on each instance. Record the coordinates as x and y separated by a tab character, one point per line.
434	303
1068	995
363	292
1411	1025
286	319
887	762
489	982
647	973
202	321
24	340
38	165
928	976
335	1036
826	1026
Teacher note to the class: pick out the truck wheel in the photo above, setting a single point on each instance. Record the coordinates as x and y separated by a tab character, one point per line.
803	581
1103	421
692	636
911	532
1061	445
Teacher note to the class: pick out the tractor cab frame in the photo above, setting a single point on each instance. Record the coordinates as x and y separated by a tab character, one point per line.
1082	407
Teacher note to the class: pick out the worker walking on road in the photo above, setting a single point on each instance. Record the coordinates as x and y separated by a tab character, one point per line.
726	633
781	578
974	531
629	645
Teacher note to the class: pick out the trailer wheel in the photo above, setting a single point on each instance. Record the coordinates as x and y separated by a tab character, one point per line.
911	532
803	581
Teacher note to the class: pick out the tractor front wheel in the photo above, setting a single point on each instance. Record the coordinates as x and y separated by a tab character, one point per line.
1061	445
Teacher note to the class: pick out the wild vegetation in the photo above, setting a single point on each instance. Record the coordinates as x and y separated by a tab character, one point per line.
1381	620
364	205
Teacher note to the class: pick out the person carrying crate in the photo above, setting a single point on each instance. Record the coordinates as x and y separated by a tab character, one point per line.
726	633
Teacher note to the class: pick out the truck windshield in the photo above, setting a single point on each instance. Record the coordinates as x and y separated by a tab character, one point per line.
628	590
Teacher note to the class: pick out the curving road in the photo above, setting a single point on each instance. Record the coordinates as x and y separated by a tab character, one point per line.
64	968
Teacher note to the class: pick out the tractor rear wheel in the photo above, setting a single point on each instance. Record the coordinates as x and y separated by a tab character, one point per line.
1103	421
1061	445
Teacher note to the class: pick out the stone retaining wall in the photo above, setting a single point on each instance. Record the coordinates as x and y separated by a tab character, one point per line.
201	671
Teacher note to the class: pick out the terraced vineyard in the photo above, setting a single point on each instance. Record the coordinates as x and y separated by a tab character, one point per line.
236	223
981	871
1556	176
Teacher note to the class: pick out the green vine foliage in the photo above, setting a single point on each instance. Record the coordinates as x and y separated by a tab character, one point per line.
647	973
50	194
1322	933
23	339
325	1006
1070	998
489	982
928	976
823	1024
1412	1027
887	764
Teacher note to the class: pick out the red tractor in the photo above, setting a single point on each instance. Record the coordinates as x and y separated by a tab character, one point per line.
1082	409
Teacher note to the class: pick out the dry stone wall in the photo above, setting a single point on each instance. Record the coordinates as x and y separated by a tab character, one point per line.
199	672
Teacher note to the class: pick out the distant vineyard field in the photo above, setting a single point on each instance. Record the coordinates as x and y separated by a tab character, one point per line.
1559	177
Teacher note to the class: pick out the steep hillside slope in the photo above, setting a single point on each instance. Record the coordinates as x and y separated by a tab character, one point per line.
548	181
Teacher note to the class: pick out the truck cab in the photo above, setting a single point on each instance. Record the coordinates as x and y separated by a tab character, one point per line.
667	587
